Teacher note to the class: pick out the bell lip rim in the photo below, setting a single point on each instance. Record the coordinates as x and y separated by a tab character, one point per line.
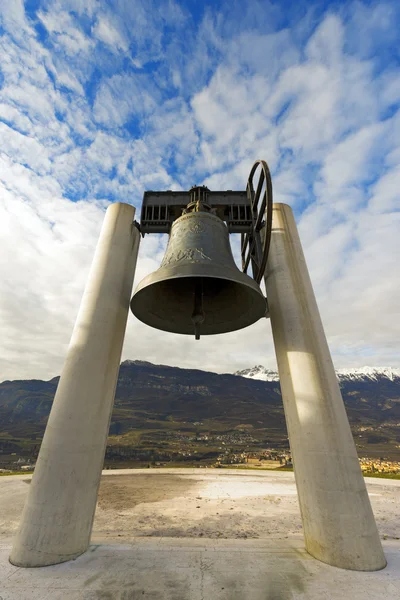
257	312
191	333
202	333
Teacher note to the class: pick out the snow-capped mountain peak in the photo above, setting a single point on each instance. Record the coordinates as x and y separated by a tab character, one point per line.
373	373
356	374
259	372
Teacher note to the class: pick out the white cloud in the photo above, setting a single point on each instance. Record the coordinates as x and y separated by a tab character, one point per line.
371	30
326	45
105	31
25	149
386	193
67	79
349	163
46	247
122	97
65	33
13	18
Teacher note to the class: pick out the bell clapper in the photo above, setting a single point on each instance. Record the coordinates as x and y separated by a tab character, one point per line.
198	315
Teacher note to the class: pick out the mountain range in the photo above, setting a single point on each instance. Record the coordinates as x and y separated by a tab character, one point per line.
361	374
177	413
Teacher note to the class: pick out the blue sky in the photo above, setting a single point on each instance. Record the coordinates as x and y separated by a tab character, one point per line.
101	100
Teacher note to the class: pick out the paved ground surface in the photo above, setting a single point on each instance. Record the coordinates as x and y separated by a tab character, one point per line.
191	534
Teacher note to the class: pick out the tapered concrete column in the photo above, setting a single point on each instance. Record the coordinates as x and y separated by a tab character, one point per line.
58	515
339	526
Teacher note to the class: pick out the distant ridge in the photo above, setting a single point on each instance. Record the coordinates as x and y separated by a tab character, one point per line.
360	374
263	374
163	410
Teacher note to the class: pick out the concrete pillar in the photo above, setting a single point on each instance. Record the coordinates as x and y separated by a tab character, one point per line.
58	515
338	523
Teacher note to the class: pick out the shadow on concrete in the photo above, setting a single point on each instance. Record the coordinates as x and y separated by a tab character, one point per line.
121	492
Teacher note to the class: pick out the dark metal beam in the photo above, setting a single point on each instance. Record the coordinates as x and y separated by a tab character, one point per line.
161	209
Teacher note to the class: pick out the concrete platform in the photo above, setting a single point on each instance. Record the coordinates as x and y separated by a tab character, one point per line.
198	535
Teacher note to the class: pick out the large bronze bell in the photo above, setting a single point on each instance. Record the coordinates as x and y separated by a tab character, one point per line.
198	289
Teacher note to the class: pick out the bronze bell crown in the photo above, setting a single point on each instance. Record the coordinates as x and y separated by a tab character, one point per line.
198	288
